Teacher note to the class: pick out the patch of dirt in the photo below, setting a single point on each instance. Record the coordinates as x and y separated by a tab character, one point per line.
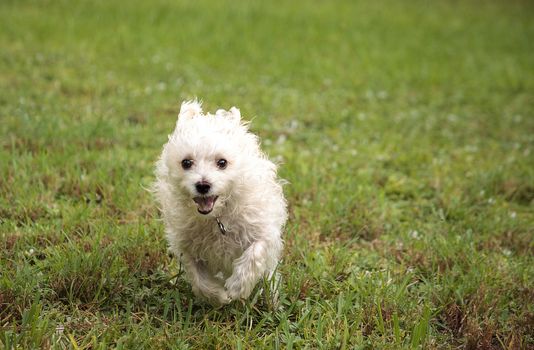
516	191
24	215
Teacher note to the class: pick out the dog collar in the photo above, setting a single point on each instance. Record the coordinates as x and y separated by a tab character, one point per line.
221	226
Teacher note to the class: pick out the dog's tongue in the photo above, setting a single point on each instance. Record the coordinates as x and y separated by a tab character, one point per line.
205	204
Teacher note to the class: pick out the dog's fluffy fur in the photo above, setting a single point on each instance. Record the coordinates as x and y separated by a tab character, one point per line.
244	194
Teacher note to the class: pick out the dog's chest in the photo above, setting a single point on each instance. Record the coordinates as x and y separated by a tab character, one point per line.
206	241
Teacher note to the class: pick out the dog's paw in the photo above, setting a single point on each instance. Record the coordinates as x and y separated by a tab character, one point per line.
221	299
216	297
236	288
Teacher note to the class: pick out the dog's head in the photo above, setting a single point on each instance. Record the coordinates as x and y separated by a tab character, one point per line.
207	155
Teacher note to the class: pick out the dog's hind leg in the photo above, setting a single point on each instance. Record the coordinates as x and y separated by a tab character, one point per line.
204	285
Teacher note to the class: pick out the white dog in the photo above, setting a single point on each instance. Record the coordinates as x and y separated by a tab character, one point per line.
222	204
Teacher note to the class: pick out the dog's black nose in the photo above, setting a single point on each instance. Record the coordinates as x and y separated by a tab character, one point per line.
202	187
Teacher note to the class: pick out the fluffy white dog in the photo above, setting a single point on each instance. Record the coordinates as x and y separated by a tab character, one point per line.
222	203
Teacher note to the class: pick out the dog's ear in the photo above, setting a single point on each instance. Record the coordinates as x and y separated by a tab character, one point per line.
232	115
189	109
236	114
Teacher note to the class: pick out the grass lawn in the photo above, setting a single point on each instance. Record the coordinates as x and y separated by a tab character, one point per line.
405	129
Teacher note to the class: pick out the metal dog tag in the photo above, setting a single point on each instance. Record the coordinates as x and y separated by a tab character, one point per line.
221	226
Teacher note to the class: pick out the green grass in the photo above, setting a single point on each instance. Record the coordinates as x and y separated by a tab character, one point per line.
405	129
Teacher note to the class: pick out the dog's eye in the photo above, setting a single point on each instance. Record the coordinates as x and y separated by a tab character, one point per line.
187	163
222	163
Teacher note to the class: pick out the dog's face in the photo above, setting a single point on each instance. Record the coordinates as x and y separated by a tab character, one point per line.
206	156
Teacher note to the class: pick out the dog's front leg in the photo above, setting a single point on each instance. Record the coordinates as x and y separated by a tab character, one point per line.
257	260
204	285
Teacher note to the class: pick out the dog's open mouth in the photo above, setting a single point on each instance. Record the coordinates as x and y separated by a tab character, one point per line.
205	204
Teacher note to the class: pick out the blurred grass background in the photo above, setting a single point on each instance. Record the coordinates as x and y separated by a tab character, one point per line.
405	129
